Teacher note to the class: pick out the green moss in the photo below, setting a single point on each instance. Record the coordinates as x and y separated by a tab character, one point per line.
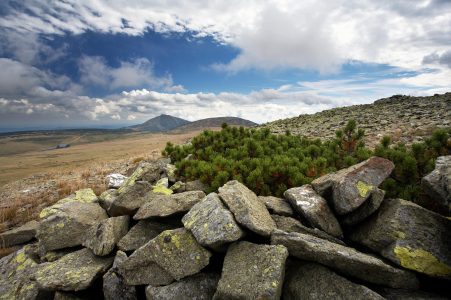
363	188
421	261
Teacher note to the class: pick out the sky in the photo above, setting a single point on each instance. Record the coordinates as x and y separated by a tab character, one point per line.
92	63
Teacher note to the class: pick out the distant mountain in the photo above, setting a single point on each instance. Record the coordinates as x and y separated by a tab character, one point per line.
215	122
160	123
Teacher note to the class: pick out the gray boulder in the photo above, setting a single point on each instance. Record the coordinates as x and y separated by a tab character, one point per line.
102	237
344	259
252	271
314	209
83	196
166	205
141	233
409	236
366	209
437	184
247	209
19	235
67	226
73	272
114	286
129	198
211	223
197	287
276	205
309	280
149	171
107	198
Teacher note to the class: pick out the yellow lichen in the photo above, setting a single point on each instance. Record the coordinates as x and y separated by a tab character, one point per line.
363	188
131	180
421	261
399	235
85	195
162	190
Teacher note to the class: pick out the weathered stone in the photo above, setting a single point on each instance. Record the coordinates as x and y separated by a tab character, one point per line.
19	235
178	187
211	223
67	226
195	185
107	198
247	209
114	286
171	172
141	233
115	180
344	259
146	171
314	209
161	187
366	209
437	184
84	195
131	198
276	205
102	237
197	287
166	205
178	252
289	224
354	186
252	271
307	280
323	185
54	255
73	272
409	236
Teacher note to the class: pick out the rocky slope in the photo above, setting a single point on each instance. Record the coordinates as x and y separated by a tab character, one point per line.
155	236
406	119
214	122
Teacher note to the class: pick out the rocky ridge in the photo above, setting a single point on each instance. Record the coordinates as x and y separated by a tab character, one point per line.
156	237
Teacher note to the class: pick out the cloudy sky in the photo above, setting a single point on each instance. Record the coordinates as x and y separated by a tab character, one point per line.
100	63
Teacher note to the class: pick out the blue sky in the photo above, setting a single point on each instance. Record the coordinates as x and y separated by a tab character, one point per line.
113	63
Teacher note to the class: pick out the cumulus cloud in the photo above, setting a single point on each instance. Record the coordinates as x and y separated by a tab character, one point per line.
441	59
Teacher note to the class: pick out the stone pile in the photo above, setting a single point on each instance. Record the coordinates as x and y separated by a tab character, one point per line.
157	237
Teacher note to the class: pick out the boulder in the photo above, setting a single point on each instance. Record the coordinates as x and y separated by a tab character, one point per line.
67	226
19	235
252	271
114	286
366	209
167	205
130	199
409	236
314	209
247	209
73	272
195	185
437	184
307	280
197	287
149	171
171	172
102	237
178	252
211	223
277	206
141	233
344	259
115	180
84	196
107	198
289	224
353	187
178	187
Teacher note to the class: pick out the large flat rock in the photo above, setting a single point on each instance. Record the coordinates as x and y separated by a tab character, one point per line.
211	223
409	236
314	209
102	237
19	235
252	271
141	233
344	259
366	209
247	209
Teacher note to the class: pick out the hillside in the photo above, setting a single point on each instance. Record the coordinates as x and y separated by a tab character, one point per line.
160	123
405	118
215	122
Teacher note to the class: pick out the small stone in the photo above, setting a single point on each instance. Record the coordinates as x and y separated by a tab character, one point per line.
366	209
102	237
276	205
115	180
19	235
178	187
114	286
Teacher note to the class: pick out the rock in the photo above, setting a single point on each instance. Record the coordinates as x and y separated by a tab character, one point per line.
437	184
366	209
277	206
131	198
146	171
20	235
166	205
323	185
195	185
178	187
67	226
314	209
141	233
289	224
410	236
309	280
73	272
107	198
252	271
115	180
178	252
247	209
161	187
344	259
353	187
197	287
84	196
211	223
114	286
102	237
54	255
399	294
170	171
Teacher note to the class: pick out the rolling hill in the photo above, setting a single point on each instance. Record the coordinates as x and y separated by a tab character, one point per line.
160	124
214	122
